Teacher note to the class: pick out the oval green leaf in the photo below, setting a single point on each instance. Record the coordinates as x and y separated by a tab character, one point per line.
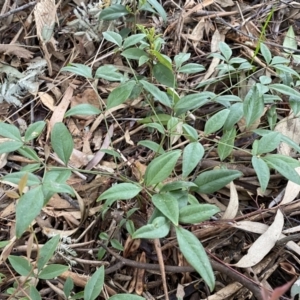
120	94
192	154
83	109
94	285
197	213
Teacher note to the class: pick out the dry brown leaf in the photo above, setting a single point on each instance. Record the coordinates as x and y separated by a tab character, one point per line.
233	205
225	3
226	292
264	244
17	50
47	100
292	190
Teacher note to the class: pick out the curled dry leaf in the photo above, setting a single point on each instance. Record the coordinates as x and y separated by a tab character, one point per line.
233	205
264	244
16	50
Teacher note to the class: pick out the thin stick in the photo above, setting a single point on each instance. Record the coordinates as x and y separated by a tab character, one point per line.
13	11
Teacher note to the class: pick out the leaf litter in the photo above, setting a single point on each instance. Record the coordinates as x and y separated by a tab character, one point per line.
246	234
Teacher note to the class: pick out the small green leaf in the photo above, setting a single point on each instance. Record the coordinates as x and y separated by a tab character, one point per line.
161	167
133	40
284	165
109	72
167	205
56	187
226	143
94	285
253	106
52	271
17	176
211	181
68	287
160	96
113	37
266	53
177	185
235	114
79	69
47	251
268	143
20	264
225	50
116	244
190	132
10	131
164	75
62	142
159	228
34	293
113	12
216	121
152	146
10	146
34	130
83	109
158	118
156	126
181	58
120	191
195	255
33	199
284	89
191	68
262	171
134	53
29	153
192	154
196	213
160	10
192	102
290	41
120	94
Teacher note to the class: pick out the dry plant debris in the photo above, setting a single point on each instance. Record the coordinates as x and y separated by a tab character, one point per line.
100	135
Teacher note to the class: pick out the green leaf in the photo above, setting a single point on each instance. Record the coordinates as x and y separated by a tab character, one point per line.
290	41
190	132
192	154
167	205
180	58
68	287
159	228
120	191
116	244
120	94
10	131
211	181
162	59
226	143
52	271
126	297
34	130
268	143
161	167
83	109
266	53
286	69
158	118
225	50
191	68
262	171
20	264
195	255
29	153
196	213
113	37
79	69
284	165
235	114
193	101
160	96
109	72
253	106
113	12
10	146
284	89
17	176
133	40
34	293
28	207
290	142
56	187
134	53
156	126
177	185
160	10
216	122
62	142
152	146
164	75
94	285
47	251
